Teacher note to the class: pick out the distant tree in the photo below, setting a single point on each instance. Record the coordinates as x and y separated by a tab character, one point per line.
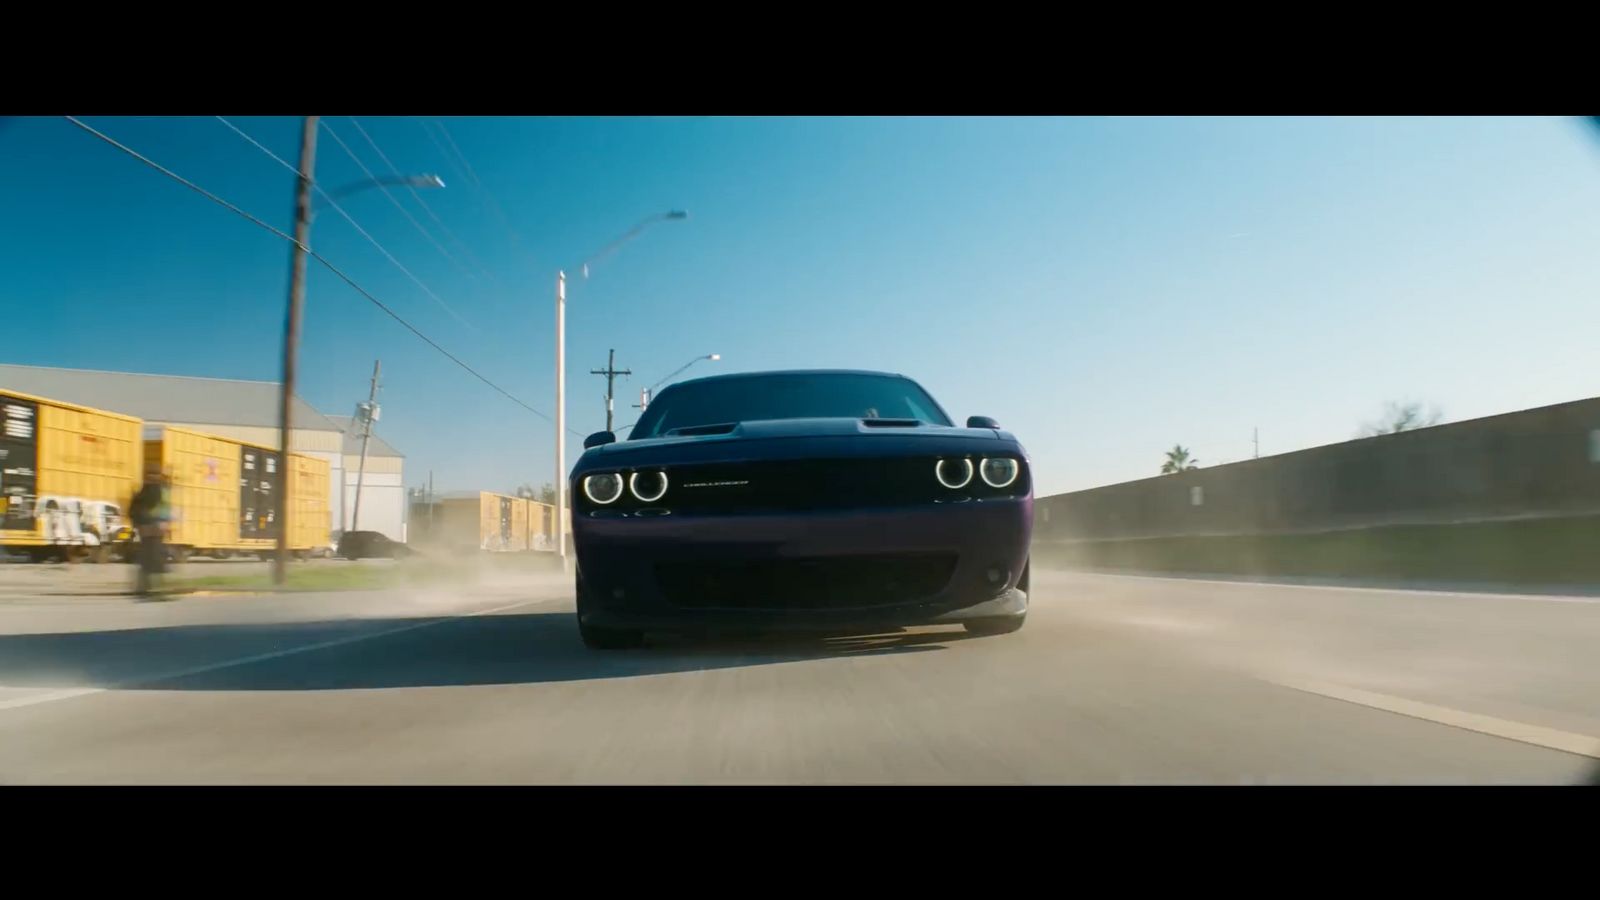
525	491
1398	417
1178	460
547	494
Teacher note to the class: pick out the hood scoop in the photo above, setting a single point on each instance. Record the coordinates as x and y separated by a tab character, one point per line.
695	430
891	423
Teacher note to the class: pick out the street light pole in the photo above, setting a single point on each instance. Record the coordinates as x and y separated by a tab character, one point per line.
561	371
561	417
291	339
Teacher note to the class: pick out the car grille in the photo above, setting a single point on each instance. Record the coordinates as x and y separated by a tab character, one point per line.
792	485
851	582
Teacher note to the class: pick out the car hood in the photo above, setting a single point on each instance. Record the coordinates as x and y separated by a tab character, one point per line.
787	438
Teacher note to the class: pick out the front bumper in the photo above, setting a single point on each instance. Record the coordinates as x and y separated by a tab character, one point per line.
624	563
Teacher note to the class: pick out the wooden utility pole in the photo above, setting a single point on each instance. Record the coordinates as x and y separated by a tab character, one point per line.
367	416
291	339
610	372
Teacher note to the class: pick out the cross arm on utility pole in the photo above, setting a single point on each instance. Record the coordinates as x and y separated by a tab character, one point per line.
610	372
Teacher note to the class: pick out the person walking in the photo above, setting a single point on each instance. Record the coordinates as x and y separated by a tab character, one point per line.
151	514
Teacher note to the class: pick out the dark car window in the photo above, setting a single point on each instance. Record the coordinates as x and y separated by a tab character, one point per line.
760	397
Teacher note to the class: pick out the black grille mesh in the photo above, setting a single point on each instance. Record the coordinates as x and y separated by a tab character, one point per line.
851	582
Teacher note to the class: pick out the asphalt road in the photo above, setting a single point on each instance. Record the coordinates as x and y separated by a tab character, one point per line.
1115	680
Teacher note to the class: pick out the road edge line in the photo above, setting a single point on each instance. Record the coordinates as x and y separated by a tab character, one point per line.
1522	732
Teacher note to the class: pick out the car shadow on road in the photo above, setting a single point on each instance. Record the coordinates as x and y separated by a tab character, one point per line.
477	650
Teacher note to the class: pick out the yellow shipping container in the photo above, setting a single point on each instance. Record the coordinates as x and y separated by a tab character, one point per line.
541	525
503	522
498	523
310	516
223	493
67	474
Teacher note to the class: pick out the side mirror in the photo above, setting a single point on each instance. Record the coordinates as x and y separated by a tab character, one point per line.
981	422
599	439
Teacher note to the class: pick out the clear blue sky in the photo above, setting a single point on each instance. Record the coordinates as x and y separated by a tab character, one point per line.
1104	287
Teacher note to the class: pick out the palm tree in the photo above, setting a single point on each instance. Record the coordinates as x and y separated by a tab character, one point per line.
1178	460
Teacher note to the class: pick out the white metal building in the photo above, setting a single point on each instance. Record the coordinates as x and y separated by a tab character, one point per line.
243	410
383	487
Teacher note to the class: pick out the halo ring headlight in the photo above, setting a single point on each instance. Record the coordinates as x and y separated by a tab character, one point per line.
999	471
957	479
633	485
604	488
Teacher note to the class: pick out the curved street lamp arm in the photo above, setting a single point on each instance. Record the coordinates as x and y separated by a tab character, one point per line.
678	370
382	181
629	235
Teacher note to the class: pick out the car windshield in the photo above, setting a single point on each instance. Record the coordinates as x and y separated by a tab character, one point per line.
787	396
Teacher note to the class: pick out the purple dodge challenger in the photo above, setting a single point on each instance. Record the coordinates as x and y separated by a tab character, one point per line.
815	500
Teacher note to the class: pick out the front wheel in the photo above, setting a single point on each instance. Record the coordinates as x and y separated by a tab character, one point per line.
609	638
602	638
986	627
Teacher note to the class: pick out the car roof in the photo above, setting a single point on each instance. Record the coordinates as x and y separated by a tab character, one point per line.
737	375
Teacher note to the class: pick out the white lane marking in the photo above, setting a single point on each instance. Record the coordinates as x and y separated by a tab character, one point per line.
1539	736
66	694
1549	598
69	693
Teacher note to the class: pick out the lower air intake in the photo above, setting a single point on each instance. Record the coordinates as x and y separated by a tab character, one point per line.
852	582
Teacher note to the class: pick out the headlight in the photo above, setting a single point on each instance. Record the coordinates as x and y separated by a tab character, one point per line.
953	473
999	472
603	489
648	486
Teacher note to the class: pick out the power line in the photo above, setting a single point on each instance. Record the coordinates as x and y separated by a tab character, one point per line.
459	155
421	202
397	204
312	253
348	218
466	169
429	291
428	130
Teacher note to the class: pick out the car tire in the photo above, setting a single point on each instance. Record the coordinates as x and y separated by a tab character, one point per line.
1001	625
609	638
602	638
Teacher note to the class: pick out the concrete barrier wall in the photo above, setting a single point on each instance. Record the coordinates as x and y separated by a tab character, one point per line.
1536	462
